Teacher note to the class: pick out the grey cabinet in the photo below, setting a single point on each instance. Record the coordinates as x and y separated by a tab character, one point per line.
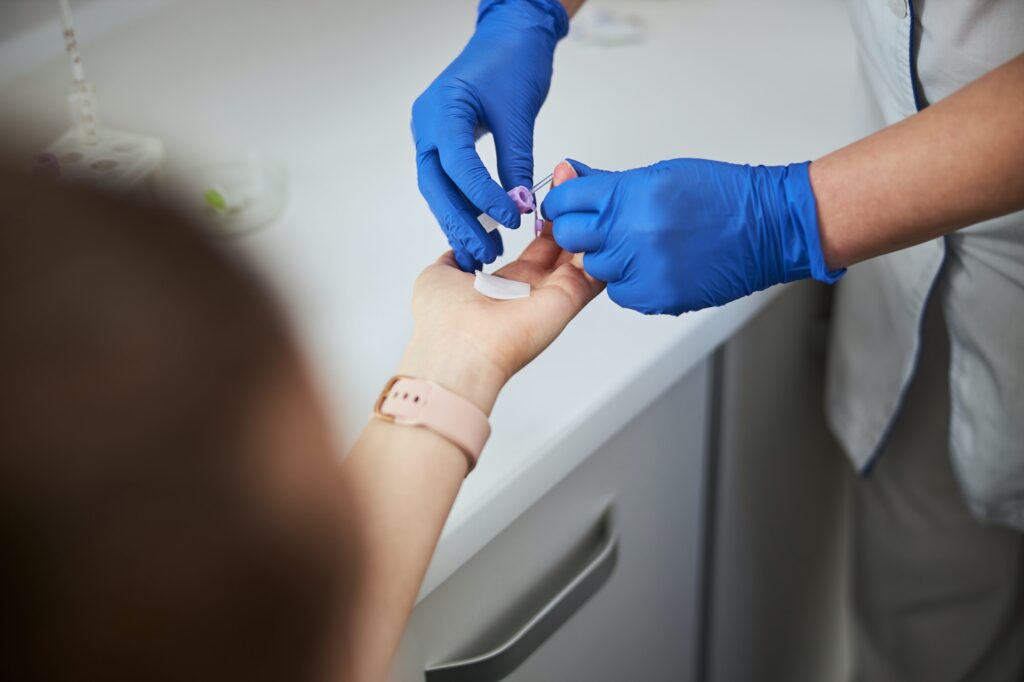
597	581
777	582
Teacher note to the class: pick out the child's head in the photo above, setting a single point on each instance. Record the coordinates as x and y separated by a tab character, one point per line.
169	501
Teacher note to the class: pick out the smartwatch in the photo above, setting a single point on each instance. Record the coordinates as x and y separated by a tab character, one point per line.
414	402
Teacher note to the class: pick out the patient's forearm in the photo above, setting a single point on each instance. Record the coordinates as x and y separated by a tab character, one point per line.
403	482
954	164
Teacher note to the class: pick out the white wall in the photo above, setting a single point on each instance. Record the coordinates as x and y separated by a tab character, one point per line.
30	30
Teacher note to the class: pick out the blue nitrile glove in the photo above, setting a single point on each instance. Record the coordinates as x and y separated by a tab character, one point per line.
688	234
497	84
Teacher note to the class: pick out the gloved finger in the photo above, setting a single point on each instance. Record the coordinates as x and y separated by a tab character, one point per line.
461	254
576	232
514	149
584	194
603	266
656	301
498	243
457	151
465	234
481	244
622	295
465	261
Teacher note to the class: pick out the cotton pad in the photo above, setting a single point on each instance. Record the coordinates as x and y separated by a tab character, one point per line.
500	288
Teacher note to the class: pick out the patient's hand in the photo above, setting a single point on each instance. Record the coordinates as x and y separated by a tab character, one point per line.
472	344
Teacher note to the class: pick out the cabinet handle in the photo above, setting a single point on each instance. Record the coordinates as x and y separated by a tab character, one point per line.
500	662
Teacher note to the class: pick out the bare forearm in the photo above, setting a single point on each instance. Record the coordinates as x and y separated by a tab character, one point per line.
952	165
403	482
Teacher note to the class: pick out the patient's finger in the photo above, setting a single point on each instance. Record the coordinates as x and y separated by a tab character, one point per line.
448	258
541	252
563	172
580	287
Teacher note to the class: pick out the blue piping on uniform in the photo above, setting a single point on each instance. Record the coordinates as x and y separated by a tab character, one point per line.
914	81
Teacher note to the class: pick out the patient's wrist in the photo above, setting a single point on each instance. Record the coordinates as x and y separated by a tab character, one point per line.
473	378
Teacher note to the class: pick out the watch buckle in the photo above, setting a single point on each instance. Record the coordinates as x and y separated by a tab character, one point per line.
384	396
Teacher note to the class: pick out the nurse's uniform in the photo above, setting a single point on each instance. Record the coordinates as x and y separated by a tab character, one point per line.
926	389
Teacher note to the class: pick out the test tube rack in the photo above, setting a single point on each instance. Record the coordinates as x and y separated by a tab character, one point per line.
116	160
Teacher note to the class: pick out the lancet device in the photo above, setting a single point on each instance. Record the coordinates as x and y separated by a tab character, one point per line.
490	224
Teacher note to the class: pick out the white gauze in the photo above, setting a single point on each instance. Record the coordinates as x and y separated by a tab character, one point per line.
500	288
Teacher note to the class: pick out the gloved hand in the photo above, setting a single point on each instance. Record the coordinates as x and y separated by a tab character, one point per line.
497	84
688	234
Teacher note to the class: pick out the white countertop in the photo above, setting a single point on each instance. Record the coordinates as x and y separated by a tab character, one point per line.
327	90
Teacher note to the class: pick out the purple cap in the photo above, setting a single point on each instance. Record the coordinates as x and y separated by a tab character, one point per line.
523	199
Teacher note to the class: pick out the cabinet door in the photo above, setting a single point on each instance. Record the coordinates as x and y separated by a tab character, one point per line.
598	580
777	585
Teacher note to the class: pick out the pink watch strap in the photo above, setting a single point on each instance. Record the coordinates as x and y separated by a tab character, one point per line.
414	402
